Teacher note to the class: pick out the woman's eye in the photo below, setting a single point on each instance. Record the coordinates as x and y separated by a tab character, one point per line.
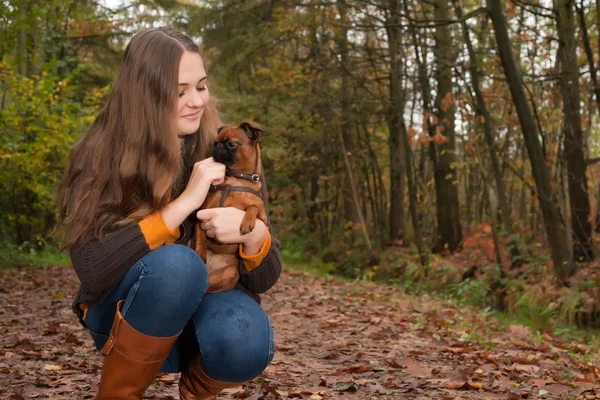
200	89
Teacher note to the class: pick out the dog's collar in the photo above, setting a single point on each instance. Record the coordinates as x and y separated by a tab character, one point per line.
248	177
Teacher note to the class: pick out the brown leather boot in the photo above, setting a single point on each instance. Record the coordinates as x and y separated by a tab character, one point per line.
196	385
132	360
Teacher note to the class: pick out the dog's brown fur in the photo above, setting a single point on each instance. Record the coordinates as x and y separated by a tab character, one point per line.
222	259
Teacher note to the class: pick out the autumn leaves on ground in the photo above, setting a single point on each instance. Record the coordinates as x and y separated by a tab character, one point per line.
334	339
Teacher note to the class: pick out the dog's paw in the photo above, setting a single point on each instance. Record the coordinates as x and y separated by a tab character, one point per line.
246	228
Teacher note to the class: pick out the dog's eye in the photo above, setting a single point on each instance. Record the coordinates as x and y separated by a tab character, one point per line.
232	145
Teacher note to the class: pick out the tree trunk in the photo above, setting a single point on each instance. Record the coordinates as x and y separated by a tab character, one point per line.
351	210
354	193
396	119
597	228
572	133
380	215
589	53
598	24
470	190
556	233
448	216
427	113
413	200
482	110
22	49
396	123
424	86
597	196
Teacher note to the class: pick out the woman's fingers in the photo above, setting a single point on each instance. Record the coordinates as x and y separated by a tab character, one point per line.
207	225
206	216
222	224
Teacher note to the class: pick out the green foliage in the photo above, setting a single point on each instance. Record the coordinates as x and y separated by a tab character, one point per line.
293	254
570	303
40	119
530	312
15	256
437	276
470	292
516	243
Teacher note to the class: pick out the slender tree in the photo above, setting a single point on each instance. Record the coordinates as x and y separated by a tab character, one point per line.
399	146
572	132
351	210
449	225
556	232
589	52
395	119
488	134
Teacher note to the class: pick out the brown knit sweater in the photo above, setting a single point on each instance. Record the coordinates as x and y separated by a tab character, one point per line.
101	265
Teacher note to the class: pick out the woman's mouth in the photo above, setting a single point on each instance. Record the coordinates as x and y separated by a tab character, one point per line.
191	117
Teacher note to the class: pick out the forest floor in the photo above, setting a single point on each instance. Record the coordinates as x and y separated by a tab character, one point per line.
334	340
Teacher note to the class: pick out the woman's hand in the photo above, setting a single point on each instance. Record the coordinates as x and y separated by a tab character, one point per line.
204	174
223	224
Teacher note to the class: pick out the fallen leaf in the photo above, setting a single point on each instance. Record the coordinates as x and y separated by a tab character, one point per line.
52	367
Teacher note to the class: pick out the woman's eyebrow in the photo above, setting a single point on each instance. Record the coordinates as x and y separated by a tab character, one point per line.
187	84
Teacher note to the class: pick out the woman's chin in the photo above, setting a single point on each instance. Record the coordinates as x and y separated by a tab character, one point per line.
187	131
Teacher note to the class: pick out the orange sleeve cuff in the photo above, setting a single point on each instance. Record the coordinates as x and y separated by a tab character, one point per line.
84	308
156	232
253	261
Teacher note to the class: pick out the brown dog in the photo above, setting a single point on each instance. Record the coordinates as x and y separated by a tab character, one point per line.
236	147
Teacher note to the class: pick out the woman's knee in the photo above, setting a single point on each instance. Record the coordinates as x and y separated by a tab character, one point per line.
175	270
231	359
236	342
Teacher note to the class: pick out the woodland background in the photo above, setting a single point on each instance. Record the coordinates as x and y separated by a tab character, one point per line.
443	146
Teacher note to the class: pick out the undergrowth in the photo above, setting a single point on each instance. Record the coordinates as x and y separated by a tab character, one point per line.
15	256
527	294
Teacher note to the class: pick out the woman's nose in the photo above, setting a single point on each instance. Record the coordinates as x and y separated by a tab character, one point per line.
196	99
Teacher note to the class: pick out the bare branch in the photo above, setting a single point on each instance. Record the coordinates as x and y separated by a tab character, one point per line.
414	23
530	8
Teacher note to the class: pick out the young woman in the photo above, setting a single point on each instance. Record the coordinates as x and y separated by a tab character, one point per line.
128	204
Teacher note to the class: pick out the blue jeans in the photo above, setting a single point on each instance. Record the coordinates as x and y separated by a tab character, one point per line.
164	293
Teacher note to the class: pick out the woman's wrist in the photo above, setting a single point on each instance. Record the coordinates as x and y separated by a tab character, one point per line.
254	240
186	203
177	211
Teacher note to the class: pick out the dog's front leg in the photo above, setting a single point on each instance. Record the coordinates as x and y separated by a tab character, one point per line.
249	220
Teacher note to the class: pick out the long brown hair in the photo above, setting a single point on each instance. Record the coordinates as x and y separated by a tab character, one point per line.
130	163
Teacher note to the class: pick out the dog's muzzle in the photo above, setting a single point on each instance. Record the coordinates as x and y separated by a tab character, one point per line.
223	155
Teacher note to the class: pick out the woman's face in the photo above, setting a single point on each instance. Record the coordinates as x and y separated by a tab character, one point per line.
193	93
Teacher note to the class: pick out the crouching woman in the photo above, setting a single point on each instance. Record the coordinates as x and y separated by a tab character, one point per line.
127	204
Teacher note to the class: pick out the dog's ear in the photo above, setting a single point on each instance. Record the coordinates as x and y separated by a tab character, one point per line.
252	129
221	128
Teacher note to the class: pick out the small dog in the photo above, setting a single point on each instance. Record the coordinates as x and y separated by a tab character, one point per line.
236	147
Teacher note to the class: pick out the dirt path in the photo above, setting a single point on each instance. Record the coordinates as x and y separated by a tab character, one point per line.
334	340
